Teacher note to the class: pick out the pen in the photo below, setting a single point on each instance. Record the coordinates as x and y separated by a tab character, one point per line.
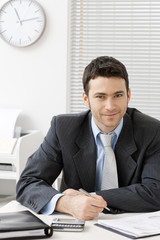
89	195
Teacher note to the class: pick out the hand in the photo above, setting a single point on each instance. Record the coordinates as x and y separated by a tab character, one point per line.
79	205
29	19
18	16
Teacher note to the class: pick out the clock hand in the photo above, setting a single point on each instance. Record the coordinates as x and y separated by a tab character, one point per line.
29	19
18	16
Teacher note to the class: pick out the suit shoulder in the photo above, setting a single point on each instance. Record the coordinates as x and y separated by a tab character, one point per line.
138	116
145	130
143	123
71	120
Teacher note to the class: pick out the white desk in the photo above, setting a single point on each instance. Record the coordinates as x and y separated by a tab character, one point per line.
90	232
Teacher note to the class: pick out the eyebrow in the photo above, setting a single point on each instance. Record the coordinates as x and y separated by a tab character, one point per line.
121	91
102	93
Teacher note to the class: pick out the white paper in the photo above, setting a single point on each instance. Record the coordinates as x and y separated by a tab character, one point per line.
140	225
7	145
8	118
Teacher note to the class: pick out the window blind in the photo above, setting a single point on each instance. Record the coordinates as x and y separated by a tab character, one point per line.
128	30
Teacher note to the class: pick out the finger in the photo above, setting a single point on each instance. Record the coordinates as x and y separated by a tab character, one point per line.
100	201
92	205
94	195
88	214
71	192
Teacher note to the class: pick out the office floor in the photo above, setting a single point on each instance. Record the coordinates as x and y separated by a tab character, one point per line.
6	199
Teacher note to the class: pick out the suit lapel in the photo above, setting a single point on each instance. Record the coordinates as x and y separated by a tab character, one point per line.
85	158
125	147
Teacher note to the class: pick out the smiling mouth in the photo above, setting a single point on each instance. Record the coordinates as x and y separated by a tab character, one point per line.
110	114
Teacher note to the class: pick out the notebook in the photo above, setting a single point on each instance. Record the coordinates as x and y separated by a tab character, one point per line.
23	225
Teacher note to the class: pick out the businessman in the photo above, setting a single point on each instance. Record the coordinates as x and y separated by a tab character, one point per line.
73	145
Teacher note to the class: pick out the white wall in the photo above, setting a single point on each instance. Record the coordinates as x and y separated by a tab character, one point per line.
34	78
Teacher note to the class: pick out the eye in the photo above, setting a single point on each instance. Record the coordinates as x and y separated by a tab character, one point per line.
118	95
100	96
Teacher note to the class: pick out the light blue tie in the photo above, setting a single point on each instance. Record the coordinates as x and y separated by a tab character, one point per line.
109	173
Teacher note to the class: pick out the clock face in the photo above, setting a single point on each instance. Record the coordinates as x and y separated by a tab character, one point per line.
21	22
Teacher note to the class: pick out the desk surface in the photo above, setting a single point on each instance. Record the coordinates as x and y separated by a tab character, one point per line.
90	231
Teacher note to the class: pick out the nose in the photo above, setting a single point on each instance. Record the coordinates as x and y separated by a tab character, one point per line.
109	104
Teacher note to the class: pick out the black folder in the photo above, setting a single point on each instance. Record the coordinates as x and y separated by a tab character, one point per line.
23	225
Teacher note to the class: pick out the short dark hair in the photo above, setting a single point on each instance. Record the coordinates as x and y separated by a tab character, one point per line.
104	66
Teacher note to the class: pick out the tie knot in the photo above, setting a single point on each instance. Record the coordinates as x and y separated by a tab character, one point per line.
106	139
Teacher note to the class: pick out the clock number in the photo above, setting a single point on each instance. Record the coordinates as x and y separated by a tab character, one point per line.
10	38
30	3
3	32
37	10
3	11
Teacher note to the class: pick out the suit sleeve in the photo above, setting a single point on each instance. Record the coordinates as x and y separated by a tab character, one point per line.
34	188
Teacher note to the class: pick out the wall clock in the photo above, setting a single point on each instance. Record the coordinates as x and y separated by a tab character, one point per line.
22	22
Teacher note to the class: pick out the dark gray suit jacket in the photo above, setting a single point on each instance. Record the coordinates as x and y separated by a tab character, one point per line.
69	146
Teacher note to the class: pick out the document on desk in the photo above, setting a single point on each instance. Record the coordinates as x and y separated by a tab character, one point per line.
7	145
142	225
8	129
8	118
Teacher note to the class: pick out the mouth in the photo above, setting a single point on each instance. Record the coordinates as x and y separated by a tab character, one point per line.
110	114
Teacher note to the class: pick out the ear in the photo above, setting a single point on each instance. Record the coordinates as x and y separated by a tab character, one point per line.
85	99
129	94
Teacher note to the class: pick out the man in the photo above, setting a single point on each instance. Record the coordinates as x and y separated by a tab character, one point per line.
73	145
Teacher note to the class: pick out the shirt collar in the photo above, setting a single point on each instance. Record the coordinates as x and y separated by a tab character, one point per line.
96	130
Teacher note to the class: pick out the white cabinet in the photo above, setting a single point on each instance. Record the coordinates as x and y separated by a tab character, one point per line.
25	146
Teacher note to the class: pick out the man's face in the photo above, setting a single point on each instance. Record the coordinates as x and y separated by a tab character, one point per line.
107	99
